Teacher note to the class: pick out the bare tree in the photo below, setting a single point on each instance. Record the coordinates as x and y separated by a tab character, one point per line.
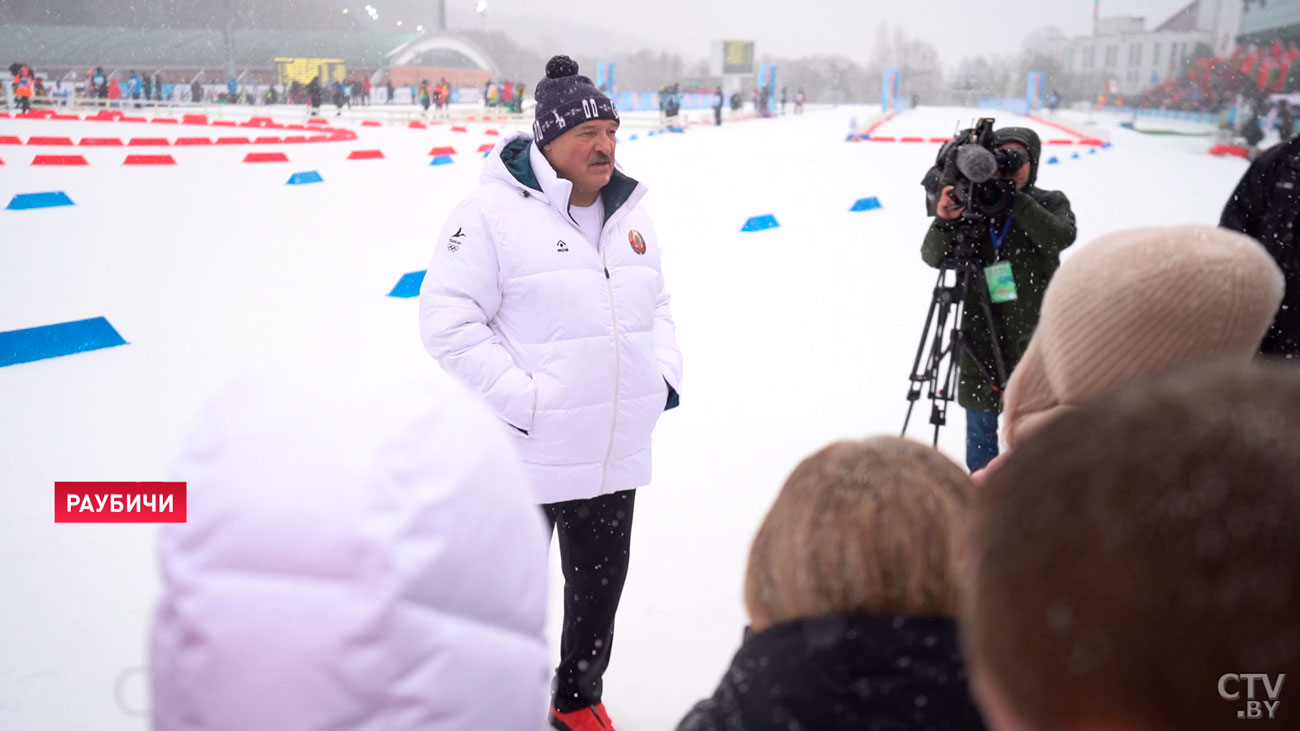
915	60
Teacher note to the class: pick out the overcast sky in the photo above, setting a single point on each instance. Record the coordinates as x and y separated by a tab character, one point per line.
804	27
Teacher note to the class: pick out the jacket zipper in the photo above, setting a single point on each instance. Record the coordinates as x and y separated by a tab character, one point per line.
618	361
618	366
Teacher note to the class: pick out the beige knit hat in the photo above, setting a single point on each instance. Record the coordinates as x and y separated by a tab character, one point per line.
1138	302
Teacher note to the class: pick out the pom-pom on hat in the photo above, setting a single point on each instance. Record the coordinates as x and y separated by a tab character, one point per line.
565	100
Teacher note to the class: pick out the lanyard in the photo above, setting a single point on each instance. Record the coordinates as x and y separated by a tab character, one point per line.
993	233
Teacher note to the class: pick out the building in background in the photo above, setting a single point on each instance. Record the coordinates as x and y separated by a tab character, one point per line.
1264	22
1122	56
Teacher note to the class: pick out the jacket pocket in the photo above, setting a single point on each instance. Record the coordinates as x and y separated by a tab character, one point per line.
527	433
673	400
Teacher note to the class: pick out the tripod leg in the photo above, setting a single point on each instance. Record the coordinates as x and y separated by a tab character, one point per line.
944	301
925	330
939	409
917	377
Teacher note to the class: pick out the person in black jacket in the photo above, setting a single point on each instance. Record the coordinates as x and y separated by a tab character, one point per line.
1251	128
851	591
1028	240
1266	205
314	95
1285	121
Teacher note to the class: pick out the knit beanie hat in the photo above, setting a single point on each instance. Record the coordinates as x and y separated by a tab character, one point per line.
566	100
1136	303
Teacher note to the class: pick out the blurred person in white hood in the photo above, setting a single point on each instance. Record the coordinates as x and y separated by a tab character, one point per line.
546	298
362	553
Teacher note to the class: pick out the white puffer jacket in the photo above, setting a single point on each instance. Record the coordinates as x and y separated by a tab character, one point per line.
363	553
566	342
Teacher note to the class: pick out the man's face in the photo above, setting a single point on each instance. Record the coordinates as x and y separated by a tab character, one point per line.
585	155
1021	176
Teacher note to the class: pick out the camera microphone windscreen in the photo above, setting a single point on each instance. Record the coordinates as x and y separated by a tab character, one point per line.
976	163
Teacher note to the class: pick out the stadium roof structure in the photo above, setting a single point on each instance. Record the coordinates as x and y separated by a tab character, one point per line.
1183	21
87	47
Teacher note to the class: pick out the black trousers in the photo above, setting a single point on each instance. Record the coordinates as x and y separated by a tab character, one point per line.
595	540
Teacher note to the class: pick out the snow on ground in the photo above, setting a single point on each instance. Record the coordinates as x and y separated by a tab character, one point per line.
792	337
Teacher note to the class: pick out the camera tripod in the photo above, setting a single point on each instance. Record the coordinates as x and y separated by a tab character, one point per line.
945	346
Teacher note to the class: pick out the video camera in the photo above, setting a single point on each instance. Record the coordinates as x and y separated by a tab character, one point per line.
979	173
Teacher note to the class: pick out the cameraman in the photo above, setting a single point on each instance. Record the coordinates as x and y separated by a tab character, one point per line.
1030	237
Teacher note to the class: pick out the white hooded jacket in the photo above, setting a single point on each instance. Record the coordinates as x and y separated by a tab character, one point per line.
573	345
362	554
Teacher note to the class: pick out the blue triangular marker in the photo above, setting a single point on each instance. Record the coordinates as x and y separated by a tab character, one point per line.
759	223
304	178
1107	146
633	137
866	204
488	152
408	285
1092	151
676	130
51	341
1053	160
443	160
1075	156
28	201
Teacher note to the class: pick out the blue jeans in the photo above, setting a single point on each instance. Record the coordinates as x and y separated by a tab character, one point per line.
981	438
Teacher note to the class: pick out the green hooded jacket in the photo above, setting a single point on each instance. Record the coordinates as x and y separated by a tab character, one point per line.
1042	226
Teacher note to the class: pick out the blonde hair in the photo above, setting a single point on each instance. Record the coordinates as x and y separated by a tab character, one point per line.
870	525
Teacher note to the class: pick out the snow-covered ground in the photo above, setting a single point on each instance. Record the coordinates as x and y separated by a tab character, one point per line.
792	337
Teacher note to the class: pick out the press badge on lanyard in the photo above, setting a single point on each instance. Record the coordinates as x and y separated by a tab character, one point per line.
999	277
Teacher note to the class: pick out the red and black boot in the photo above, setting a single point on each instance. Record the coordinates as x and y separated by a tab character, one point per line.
592	718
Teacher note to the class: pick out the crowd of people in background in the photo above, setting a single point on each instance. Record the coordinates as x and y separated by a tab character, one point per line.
1242	89
1254	119
509	95
437	96
1214	84
133	88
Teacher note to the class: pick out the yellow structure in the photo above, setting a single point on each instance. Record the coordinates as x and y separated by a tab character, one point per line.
302	70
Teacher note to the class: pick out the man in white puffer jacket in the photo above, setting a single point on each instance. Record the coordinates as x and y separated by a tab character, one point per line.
362	554
545	297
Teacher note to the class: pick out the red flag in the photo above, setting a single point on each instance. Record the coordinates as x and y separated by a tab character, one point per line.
1248	65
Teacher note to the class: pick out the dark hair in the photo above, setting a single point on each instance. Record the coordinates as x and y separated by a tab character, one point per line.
1133	551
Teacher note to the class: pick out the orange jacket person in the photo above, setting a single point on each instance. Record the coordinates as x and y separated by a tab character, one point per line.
24	86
